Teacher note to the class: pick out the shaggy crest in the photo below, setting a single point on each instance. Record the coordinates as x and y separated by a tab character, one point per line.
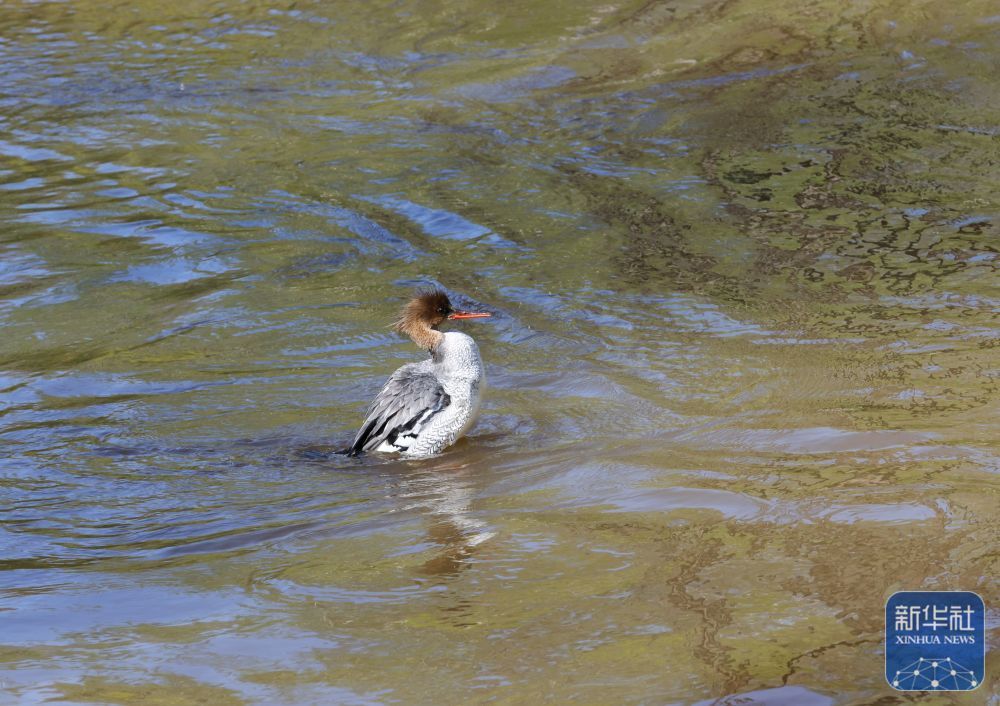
421	316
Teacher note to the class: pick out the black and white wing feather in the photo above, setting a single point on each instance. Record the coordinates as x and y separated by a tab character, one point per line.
407	402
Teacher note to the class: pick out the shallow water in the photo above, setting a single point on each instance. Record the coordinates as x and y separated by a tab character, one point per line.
744	368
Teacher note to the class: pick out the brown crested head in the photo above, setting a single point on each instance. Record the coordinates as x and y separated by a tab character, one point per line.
428	309
422	315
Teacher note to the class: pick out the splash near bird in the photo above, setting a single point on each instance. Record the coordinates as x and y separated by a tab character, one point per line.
426	407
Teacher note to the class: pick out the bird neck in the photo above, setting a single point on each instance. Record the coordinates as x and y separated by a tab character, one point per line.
424	336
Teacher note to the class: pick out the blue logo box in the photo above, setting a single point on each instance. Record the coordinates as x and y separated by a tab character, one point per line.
935	640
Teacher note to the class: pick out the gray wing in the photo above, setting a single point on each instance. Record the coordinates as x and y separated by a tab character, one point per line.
408	400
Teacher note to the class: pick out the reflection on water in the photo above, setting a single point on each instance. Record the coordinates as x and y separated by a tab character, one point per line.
743	363
445	492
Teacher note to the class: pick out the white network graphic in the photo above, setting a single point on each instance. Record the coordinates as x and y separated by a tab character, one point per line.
930	674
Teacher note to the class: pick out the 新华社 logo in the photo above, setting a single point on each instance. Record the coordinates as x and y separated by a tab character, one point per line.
935	640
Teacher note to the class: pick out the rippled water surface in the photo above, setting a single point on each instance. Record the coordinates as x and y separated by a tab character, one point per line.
744	362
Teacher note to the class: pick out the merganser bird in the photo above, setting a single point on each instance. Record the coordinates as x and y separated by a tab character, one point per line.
425	407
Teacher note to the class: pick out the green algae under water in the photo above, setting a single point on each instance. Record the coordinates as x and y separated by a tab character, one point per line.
743	369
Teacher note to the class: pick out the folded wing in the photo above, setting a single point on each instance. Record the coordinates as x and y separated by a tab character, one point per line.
406	404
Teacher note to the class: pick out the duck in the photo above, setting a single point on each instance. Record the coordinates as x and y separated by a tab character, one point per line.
423	408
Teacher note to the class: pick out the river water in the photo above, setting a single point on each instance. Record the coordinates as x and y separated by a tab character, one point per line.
744	363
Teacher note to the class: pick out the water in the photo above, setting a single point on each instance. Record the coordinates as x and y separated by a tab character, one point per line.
743	366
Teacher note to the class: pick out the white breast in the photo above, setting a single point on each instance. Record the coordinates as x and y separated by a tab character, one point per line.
457	365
